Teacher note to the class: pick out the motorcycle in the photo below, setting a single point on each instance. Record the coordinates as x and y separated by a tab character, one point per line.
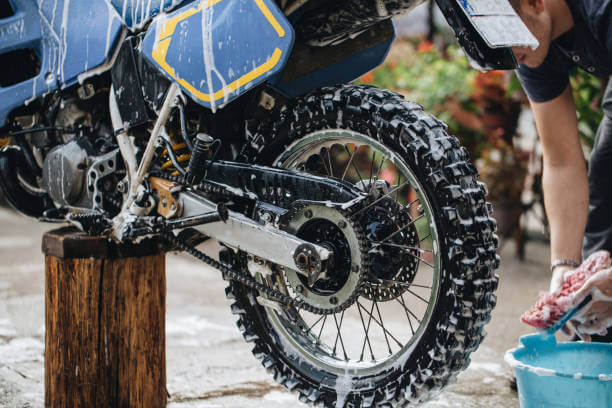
337	205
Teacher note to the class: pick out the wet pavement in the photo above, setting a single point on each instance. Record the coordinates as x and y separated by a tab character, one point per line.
208	363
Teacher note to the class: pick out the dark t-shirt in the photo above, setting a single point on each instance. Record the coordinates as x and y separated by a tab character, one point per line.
587	45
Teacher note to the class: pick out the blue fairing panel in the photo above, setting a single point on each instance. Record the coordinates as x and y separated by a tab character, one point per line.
69	38
217	49
342	72
137	13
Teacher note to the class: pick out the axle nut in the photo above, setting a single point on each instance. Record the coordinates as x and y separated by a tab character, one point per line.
302	260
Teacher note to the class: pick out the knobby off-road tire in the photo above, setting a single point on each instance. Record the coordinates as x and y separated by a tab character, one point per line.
466	237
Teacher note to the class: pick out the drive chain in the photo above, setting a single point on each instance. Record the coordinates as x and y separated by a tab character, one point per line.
242	277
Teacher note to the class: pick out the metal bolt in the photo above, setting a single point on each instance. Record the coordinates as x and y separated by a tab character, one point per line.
122	187
267	217
299	289
302	260
308	214
333	300
342	224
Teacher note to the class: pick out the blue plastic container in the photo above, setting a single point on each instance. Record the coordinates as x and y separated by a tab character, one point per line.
562	375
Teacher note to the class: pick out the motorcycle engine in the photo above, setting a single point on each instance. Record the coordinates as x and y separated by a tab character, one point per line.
85	170
75	177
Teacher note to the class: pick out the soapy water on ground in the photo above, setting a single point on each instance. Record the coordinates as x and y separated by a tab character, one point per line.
208	362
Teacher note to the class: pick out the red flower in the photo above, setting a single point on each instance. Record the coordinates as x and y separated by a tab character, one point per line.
368	78
425	46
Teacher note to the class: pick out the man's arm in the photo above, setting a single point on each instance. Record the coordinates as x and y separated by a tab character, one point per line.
566	189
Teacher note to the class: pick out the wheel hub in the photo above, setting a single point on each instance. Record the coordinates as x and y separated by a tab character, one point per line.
339	286
394	253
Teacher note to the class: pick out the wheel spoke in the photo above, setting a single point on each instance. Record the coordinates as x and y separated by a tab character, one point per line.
373	183
410	204
331	169
367	331
399	177
352	155
406	247
420	259
424	238
388	283
417	296
327	171
339	335
371	171
406	311
355	167
401	229
315	323
419	286
382	326
381	198
321	331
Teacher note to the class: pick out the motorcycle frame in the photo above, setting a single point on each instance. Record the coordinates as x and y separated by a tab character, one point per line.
238	231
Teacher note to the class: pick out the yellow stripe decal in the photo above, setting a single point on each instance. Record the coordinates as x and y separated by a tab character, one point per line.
160	51
169	25
266	12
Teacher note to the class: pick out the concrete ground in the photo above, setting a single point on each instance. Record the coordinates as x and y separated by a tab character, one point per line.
208	363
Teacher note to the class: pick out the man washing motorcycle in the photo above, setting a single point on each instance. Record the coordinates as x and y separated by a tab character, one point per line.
579	206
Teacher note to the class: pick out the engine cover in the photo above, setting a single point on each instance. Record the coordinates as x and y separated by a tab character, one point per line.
64	173
73	178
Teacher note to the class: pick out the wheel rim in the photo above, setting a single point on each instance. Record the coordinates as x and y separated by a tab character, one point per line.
373	345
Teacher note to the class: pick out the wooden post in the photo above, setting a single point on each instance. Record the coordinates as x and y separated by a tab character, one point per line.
105	322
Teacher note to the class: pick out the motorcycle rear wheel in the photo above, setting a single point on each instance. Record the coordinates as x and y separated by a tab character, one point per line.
457	241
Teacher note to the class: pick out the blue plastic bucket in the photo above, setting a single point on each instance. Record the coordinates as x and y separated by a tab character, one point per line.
572	374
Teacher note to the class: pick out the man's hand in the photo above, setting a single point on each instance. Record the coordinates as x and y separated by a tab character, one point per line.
596	316
558	276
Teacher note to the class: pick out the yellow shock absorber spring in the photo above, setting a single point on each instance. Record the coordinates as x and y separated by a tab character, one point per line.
4	141
182	157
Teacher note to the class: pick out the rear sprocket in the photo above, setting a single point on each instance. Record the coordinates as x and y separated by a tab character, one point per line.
341	233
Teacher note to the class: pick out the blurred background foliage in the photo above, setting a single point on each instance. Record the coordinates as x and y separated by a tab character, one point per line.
483	111
588	92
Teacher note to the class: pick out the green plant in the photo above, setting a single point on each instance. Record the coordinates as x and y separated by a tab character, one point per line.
481	109
441	81
587	92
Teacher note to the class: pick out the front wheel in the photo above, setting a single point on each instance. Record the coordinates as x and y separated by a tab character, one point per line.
425	245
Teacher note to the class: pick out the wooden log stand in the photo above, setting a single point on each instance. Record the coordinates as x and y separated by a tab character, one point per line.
105	322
